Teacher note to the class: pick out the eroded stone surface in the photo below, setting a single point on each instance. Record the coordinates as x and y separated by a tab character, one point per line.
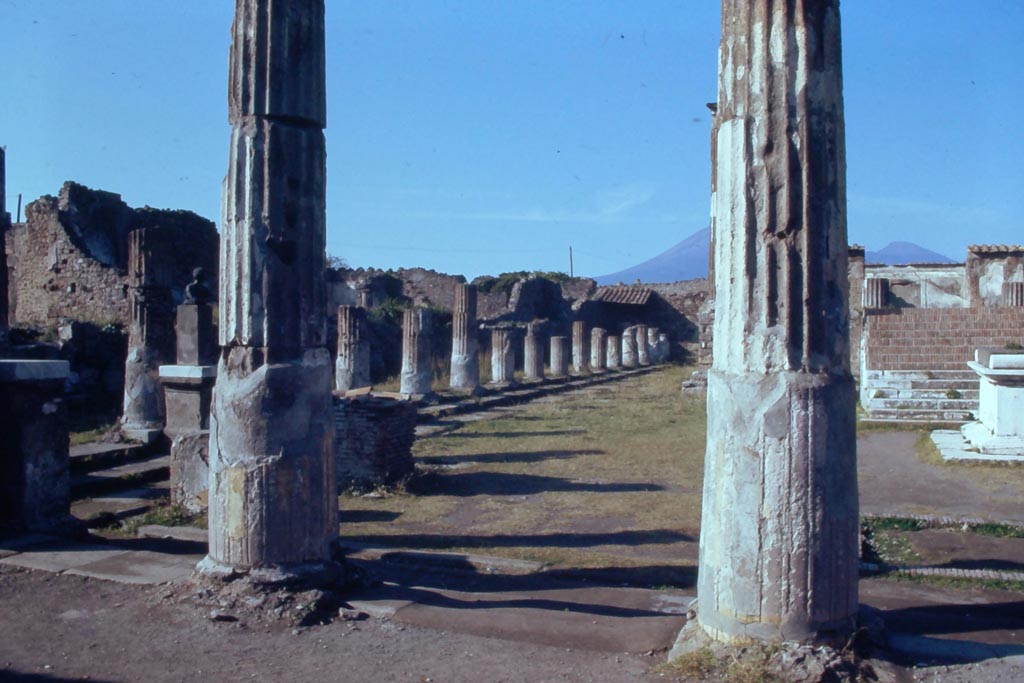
559	356
613	352
598	359
352	367
503	356
533	354
465	372
779	530
417	373
580	347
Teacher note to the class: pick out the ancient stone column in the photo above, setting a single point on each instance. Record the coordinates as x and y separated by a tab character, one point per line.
559	356
597	349
352	367
417	373
580	347
150	337
876	292
5	225
613	352
1013	294
652	345
273	504
503	356
629	350
533	355
465	372
643	351
779	527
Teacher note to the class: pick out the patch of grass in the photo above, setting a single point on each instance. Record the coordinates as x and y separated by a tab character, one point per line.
997	530
697	664
958	583
892	524
748	665
161	515
90	435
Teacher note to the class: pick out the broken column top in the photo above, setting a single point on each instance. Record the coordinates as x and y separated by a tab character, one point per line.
277	68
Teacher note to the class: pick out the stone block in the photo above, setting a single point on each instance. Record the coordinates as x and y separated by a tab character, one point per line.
190	470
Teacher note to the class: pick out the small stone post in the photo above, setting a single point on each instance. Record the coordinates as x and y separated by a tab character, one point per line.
352	367
273	499
629	350
643	350
597	350
503	357
533	356
150	338
613	352
417	374
779	537
580	347
465	372
559	356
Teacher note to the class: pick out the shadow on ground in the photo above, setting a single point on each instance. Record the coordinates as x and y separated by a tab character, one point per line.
506	484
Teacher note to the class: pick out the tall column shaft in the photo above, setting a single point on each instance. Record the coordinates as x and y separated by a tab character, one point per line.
559	356
417	373
580	347
779	529
272	484
352	367
533	355
598	357
613	352
465	372
643	351
629	350
503	356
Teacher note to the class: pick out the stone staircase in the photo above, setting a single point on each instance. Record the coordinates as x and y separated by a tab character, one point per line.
113	481
949	396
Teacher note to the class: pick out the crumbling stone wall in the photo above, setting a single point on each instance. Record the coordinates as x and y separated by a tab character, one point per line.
69	258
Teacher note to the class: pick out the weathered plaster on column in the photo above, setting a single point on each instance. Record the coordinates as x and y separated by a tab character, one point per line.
417	373
352	366
559	356
629	350
779	529
503	356
533	354
580	347
598	359
465	372
613	353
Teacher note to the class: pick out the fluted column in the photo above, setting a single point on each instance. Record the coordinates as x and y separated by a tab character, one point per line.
533	355
465	372
580	347
150	339
643	350
273	506
613	352
417	373
779	527
876	292
503	356
352	367
559	356
598	359
1013	294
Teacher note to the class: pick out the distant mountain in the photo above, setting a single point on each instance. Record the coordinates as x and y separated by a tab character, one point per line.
684	261
901	253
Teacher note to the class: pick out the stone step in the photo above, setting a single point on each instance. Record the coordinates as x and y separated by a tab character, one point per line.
937	394
941	404
96	456
963	374
108	508
121	477
931	416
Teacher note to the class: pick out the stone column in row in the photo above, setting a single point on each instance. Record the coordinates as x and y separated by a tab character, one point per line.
643	350
598	358
580	347
559	356
652	345
629	351
5	225
465	372
417	373
779	536
613	352
352	366
503	356
150	337
533	354
273	504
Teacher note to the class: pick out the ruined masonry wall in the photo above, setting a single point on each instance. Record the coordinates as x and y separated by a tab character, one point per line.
373	440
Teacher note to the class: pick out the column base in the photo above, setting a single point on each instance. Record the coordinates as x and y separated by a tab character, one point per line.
304	575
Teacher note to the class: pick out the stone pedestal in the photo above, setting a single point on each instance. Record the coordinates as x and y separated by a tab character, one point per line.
559	356
613	352
533	355
779	540
503	357
196	337
34	479
188	393
999	429
465	372
373	440
580	347
352	366
629	348
417	373
273	510
598	359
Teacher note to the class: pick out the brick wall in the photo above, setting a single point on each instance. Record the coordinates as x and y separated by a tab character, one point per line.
373	439
924	339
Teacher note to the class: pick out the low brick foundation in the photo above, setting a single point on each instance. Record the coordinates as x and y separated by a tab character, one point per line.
373	439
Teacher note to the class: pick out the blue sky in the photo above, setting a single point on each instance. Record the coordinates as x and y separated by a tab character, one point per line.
481	136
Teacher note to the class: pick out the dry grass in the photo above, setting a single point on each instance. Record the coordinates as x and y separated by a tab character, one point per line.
607	477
